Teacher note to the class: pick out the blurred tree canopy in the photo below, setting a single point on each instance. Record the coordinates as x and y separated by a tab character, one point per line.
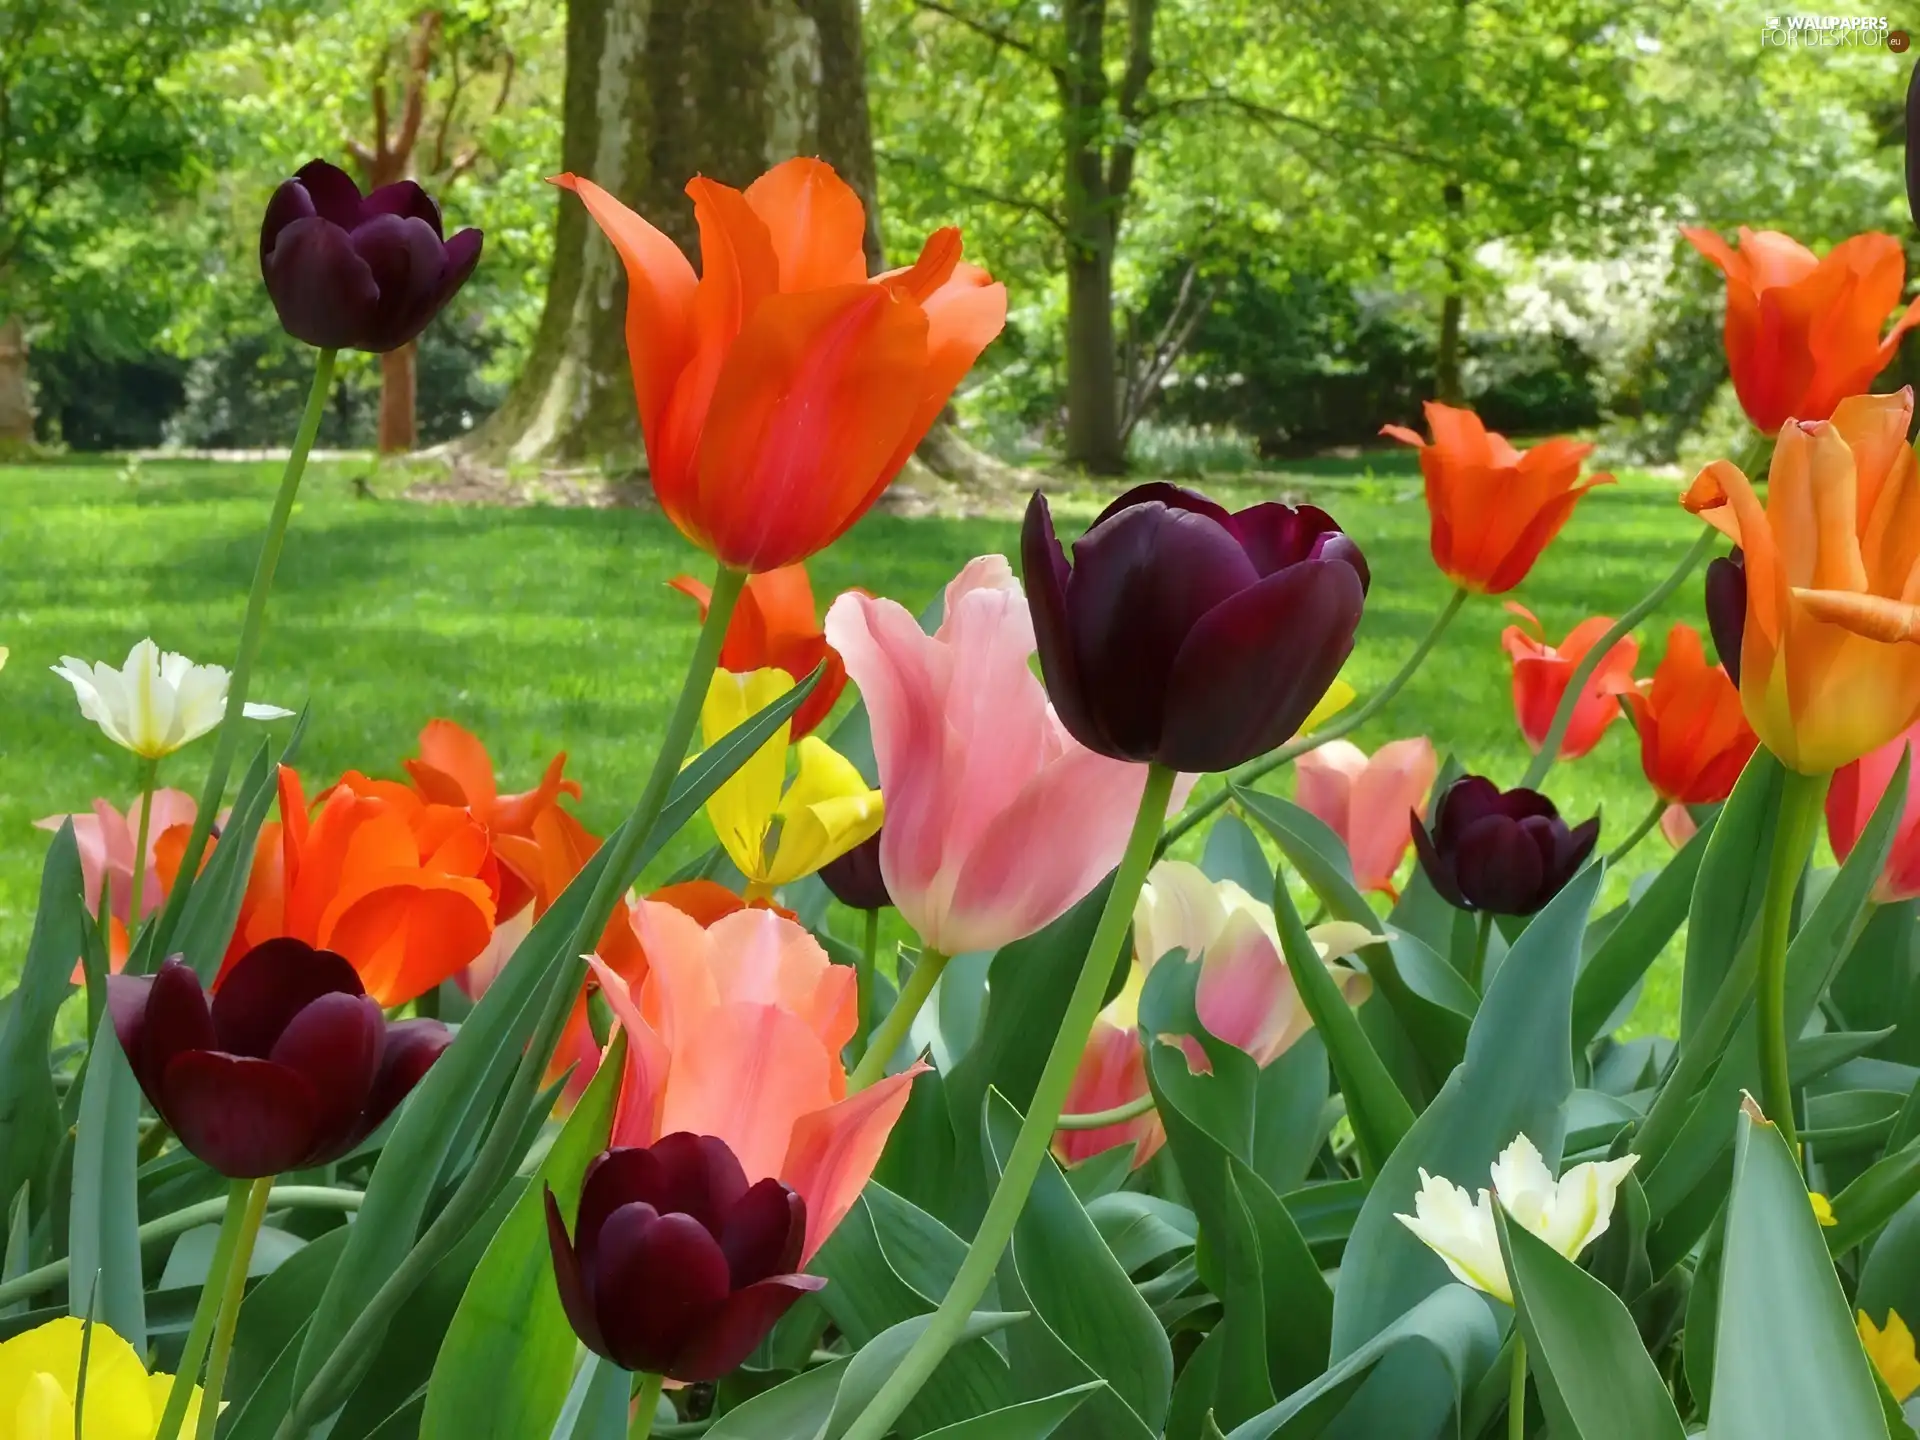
1282	223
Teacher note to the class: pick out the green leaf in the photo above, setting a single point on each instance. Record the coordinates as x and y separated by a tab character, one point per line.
1890	1277
103	1231
265	1347
1031	1420
1290	1119
1732	878
488	1045
1079	1290
1636	942
1876	1195
29	1108
1787	1361
1140	1229
1452	1328
797	1408
878	1359
1028	983
1101	1174
1377	1110
1277	1320
503	1365
1590	1366
1516	1079
212	906
596	1406
1233	853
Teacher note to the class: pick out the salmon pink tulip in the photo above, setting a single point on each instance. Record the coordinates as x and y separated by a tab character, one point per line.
1833	571
1678	825
1856	789
1694	740
1366	801
1803	332
1541	673
405	890
1493	508
737	1033
1112	1072
106	839
782	390
774	626
998	820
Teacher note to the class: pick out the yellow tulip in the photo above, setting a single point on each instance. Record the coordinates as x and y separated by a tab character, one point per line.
39	1371
1823	1210
773	831
1339	695
1891	1351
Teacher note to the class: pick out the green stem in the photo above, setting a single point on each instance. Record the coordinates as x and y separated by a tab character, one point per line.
253	1195
863	978
1517	1393
1100	1119
252	628
489	1167
1793	836
1477	962
1698	1056
165	1227
205	1313
646	1404
149	773
1640	832
893	1029
1036	1130
1341	725
1549	750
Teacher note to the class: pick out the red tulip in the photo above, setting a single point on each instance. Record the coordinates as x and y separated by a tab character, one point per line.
1541	673
1694	738
774	627
1856	789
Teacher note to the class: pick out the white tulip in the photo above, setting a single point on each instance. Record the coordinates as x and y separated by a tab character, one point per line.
1569	1213
157	701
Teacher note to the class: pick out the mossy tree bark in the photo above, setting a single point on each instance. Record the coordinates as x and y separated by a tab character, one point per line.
658	91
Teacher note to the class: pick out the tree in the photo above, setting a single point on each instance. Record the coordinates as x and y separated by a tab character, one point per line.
658	91
90	136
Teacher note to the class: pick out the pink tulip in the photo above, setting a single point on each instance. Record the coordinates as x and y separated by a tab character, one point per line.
1245	996
1677	824
1856	790
997	819
736	1032
106	839
1367	802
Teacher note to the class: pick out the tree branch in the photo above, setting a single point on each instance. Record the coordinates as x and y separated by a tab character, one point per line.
998	34
1036	208
1272	117
1133	93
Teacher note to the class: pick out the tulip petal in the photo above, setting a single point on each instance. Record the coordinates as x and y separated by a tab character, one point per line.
272	983
816	222
1112	1072
656	1278
833	1151
1046	575
721	1345
695	1175
174	1020
335	1045
244	1117
763	1233
1253	667
569	1281
751	1073
411	1048
322	289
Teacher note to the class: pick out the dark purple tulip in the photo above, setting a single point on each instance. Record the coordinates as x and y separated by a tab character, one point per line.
354	272
1507	851
1187	635
855	878
677	1266
292	1064
1727	609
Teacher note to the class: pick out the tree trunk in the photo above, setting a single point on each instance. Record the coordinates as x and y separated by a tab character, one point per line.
16	401
1446	377
398	432
659	91
1093	409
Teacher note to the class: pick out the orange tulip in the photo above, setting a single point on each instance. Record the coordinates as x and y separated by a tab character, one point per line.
1833	571
454	768
1493	508
1694	740
775	627
1541	672
737	1032
404	889
1803	332
782	390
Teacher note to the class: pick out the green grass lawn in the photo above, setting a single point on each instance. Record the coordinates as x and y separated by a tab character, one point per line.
546	629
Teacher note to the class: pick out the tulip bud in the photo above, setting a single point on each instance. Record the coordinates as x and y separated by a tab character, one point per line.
292	1065
677	1266
1188	635
855	878
1727	609
354	272
1508	852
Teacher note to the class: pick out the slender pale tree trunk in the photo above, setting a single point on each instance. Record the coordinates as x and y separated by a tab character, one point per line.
658	91
16	401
